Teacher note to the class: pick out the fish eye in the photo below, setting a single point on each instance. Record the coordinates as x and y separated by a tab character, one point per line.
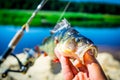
69	33
87	42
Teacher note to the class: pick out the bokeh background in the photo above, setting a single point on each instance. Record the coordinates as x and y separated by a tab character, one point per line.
98	20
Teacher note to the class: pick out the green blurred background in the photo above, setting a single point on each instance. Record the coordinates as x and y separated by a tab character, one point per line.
84	14
98	20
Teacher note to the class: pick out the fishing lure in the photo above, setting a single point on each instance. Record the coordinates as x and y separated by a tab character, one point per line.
69	41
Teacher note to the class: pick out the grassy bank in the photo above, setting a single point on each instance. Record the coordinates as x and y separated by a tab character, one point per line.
49	18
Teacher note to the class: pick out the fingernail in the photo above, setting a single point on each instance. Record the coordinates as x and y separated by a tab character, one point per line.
89	57
77	63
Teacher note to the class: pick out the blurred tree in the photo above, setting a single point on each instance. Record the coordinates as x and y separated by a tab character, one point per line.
60	5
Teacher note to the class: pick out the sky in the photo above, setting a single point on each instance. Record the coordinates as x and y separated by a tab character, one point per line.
101	1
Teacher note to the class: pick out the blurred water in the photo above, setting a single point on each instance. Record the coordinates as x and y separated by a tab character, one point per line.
107	39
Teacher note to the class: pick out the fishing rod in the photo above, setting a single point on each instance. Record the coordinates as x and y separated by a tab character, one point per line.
19	34
14	41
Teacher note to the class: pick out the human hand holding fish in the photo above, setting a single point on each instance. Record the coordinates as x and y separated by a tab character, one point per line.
67	43
90	70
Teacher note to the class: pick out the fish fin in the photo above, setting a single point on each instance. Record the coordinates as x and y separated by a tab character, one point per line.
61	25
77	63
56	41
45	40
45	54
37	50
56	60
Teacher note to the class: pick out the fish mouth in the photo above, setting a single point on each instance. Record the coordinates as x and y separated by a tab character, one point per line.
72	50
79	52
84	49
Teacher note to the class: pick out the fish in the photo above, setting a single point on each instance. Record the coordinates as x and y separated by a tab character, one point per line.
69	41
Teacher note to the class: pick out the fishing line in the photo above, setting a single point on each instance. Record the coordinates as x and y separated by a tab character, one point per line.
66	7
36	11
12	44
34	14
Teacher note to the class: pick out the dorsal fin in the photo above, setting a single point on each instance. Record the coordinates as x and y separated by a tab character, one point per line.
61	25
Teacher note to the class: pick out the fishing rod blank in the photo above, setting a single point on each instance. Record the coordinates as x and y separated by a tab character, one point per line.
19	34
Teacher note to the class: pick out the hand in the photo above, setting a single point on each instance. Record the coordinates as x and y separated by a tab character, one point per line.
91	70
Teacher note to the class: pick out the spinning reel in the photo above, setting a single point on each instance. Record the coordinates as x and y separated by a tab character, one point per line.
32	55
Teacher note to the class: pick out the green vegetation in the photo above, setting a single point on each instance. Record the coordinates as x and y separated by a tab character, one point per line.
49	18
59	5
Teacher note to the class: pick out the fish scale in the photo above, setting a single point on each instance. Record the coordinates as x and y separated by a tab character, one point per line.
69	42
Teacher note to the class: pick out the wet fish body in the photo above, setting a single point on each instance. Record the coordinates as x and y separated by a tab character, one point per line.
69	41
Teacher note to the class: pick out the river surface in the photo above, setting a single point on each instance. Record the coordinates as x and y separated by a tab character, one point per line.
107	39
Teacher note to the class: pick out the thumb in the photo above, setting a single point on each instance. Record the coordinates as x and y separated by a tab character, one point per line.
95	71
89	58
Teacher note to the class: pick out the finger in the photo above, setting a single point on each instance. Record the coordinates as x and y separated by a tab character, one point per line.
77	63
76	77
73	68
94	69
80	66
83	76
57	52
67	72
66	61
